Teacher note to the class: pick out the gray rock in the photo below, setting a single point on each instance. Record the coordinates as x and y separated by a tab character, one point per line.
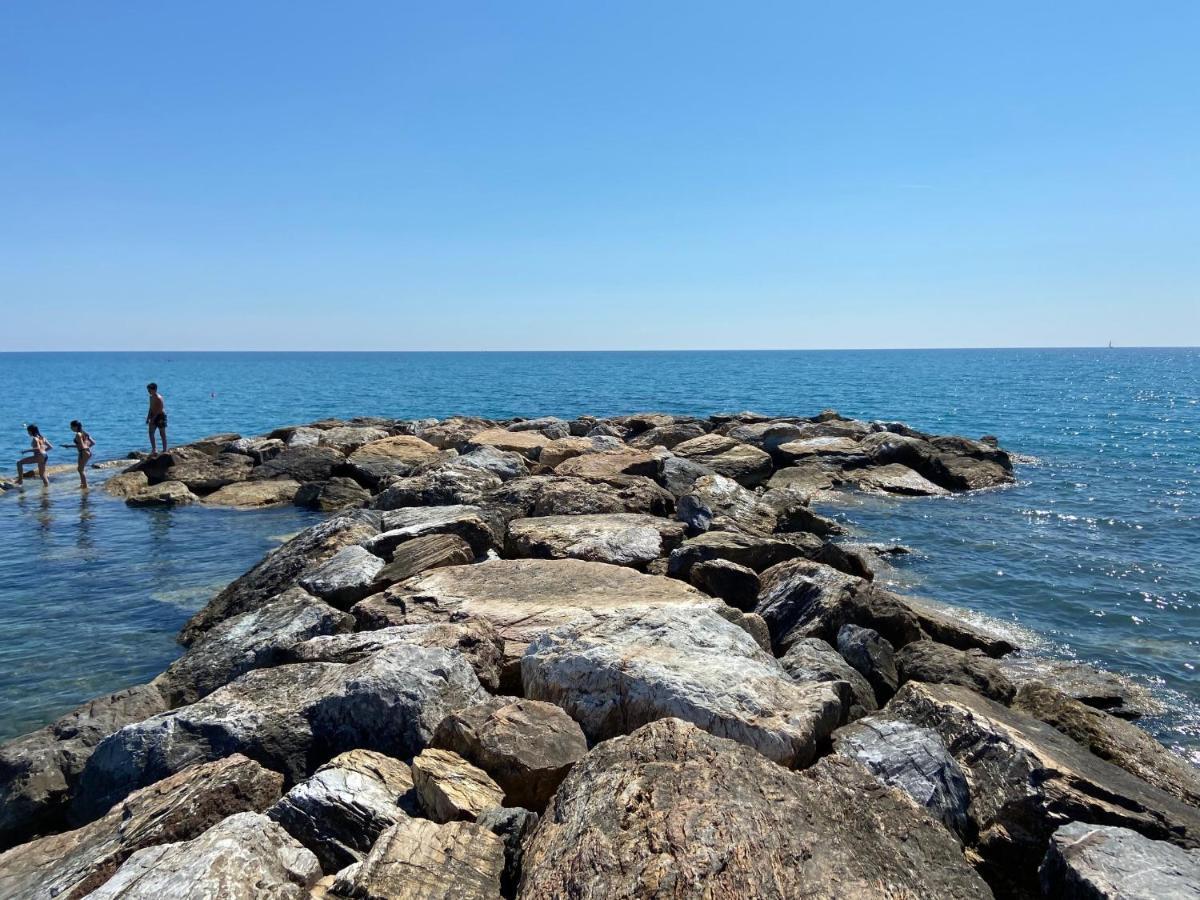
251	640
280	569
346	577
259	449
245	856
800	598
513	826
1112	693
453	433
474	525
165	493
811	478
37	770
894	479
505	466
614	672
301	464
679	474
548	495
745	464
713	498
812	659
914	760
1101	862
939	664
392	457
526	746
448	483
420	554
348	438
1027	778
766	436
72	864
623	539
548	426
207	474
666	435
284	716
331	495
417	859
671	811
736	585
346	805
792	514
872	656
753	551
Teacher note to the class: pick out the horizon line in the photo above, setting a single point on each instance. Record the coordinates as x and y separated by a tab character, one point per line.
640	349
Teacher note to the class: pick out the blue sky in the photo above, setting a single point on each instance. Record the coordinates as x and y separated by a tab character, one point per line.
591	176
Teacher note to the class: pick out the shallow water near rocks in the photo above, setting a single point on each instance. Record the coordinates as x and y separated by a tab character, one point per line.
1095	553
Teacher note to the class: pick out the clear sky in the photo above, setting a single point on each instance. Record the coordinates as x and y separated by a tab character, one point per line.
561	175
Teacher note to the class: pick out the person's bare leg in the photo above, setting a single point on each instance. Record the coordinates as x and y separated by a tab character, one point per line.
83	474
153	447
162	432
42	472
21	464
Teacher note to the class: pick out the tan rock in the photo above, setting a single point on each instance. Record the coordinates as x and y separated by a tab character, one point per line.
126	484
450	788
528	443
605	465
254	494
167	493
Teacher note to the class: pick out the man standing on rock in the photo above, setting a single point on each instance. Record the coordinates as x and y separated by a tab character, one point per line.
157	416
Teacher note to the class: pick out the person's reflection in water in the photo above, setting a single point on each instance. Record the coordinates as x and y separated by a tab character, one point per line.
84	539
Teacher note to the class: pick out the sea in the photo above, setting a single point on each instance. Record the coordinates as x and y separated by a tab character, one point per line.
1094	553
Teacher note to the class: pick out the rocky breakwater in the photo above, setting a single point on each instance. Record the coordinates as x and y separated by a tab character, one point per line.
617	657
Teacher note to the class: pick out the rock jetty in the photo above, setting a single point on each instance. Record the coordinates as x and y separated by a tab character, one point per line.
612	657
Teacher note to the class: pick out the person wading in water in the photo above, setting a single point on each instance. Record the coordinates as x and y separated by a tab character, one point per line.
41	448
156	418
84	445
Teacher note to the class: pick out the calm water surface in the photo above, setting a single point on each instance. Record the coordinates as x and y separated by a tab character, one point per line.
1094	554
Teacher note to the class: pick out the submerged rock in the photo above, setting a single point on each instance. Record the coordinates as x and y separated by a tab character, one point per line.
614	672
671	811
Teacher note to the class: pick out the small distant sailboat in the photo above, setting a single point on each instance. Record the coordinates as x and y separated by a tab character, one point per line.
1110	346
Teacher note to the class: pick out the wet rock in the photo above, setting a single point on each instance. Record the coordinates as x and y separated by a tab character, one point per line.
126	484
1027	778
165	493
606	465
207	474
450	788
914	760
715	497
287	715
755	552
449	483
1113	739
332	495
479	528
666	435
38	769
254	494
812	659
1115	694
417	859
872	656
1100	862
746	465
250	640
392	457
614	672
623	539
476	639
348	438
419	554
736	585
502	464
245	856
528	444
345	806
280	569
301	464
513	827
178	808
673	811
345	578
526	746
939	664
894	479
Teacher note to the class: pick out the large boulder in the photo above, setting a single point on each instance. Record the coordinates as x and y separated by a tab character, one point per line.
666	435
208	473
37	770
1114	694
561	450
349	438
812	659
768	436
346	577
938	664
503	464
453	433
608	464
1113	739
287	718
163	494
244	857
254	494
528	444
735	584
526	746
894	479
914	760
623	539
390	457
616	671
550	426
478	527
346	805
548	495
1104	862
872	656
251	640
280	569
301	464
1027	778
745	464
178	808
332	495
429	552
449	788
801	598
446	484
713	500
671	811
753	551
417	859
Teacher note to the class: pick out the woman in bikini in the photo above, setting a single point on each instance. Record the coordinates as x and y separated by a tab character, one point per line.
41	448
84	445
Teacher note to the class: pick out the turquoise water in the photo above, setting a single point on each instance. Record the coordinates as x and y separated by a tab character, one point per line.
1095	553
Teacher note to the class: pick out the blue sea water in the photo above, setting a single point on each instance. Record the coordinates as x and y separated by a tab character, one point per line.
1094	553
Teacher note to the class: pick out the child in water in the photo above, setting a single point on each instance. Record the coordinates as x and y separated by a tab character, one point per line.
41	448
84	445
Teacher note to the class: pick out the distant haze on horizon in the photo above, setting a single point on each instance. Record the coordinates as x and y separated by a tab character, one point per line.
541	176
